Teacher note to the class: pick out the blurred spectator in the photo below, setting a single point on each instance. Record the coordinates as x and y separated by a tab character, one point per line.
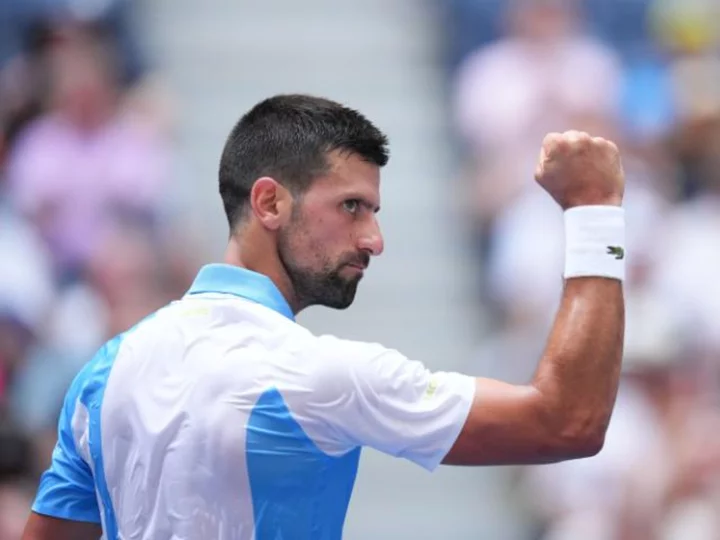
24	84
687	267
545	75
15	490
84	164
690	32
20	18
26	294
87	247
125	282
33	373
29	29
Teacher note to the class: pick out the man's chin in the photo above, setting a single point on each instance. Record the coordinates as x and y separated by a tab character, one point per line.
346	299
340	304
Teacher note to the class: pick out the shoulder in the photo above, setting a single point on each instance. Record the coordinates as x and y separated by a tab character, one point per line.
335	351
352	351
342	363
91	379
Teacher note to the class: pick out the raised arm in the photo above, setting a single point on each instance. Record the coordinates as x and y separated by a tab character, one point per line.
564	412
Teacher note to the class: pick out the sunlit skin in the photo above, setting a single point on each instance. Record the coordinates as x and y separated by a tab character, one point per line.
315	246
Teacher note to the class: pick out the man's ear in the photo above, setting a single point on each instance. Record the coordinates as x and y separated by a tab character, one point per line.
271	203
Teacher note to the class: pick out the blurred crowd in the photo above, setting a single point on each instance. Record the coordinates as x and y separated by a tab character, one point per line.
89	243
645	73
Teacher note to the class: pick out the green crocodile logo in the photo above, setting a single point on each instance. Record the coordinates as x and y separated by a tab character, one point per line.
617	251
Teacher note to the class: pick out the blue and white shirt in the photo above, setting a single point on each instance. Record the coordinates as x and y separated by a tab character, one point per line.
220	417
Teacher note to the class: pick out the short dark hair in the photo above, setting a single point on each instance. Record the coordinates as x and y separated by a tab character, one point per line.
288	138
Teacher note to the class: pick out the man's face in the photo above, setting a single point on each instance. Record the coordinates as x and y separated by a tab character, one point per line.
333	233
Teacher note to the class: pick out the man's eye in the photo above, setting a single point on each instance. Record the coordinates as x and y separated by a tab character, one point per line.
352	205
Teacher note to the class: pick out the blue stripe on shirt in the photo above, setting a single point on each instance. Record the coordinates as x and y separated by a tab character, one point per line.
298	491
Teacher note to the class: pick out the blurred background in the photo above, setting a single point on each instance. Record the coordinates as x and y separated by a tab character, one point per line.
113	114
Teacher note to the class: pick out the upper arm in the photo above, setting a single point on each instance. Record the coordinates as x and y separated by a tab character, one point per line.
41	527
507	425
381	399
377	397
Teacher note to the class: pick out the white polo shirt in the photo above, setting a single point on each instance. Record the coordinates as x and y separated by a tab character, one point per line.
219	417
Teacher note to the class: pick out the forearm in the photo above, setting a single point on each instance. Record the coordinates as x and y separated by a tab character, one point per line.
565	411
578	375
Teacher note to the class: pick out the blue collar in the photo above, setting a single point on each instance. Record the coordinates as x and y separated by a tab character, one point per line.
228	279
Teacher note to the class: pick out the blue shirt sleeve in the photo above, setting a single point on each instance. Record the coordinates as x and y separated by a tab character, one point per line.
67	488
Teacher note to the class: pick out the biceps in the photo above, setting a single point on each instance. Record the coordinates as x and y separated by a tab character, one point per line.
41	527
505	426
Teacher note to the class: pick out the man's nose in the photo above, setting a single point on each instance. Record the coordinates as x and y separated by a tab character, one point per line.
371	240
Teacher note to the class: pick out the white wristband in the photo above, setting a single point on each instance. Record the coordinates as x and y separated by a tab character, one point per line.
595	242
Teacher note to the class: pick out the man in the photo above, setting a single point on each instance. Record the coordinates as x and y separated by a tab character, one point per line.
220	417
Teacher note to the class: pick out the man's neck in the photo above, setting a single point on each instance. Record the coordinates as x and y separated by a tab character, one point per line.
262	261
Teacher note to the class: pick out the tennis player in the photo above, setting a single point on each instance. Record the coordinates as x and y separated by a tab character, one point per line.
220	417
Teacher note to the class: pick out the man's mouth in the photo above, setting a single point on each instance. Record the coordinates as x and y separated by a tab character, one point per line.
361	264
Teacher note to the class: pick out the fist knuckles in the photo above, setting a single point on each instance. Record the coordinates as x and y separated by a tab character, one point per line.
576	169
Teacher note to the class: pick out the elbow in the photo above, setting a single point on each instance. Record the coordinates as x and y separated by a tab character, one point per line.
586	444
576	436
581	439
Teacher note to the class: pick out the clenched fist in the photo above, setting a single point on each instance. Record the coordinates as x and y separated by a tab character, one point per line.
580	170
